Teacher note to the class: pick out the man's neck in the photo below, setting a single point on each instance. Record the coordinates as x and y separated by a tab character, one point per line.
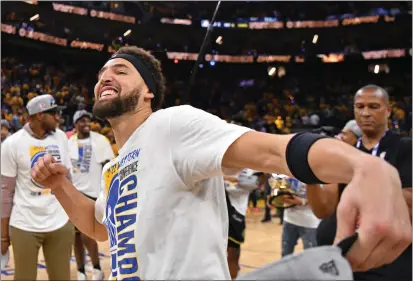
372	139
124	126
82	136
37	130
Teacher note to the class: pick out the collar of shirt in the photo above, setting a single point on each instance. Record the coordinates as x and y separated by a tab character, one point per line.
30	131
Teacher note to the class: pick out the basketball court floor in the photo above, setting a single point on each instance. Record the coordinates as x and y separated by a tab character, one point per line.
262	245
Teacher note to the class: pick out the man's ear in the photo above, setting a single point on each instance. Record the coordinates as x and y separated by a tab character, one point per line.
39	116
389	111
149	95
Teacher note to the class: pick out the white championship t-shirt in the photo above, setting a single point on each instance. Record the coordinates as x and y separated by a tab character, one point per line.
239	193
91	153
300	215
35	208
163	200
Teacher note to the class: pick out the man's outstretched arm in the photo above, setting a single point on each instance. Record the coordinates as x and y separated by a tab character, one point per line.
372	197
330	160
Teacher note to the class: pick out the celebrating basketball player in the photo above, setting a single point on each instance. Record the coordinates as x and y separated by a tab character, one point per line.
93	151
162	201
35	216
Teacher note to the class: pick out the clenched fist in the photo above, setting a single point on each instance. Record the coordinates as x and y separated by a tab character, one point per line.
48	173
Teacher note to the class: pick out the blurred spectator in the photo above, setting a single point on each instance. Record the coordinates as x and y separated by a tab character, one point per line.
282	106
5	127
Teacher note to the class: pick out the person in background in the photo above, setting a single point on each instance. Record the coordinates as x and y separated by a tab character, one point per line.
93	152
299	221
267	213
35	217
237	190
5	130
371	111
253	198
350	133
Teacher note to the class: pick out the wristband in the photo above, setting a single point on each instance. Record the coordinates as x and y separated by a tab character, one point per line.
297	157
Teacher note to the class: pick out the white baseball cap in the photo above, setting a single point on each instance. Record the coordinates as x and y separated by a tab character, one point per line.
42	103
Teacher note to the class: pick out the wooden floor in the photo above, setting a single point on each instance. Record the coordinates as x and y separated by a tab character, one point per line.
262	245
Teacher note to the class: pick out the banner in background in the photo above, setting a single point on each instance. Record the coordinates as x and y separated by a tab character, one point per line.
326	58
58	7
277	24
250	23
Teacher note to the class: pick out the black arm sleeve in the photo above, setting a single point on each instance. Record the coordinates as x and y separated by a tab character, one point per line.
297	157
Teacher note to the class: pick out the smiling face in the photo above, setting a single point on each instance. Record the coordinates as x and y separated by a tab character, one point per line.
83	125
118	89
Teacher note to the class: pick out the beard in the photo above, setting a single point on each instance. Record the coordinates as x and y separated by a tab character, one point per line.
85	134
115	107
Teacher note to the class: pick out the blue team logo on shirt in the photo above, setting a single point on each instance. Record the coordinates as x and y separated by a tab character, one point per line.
120	222
82	165
36	152
110	222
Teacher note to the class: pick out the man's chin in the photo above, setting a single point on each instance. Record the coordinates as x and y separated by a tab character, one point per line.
115	107
368	129
106	109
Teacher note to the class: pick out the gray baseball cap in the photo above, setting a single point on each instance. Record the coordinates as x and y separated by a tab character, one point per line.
5	123
41	103
352	126
80	114
318	263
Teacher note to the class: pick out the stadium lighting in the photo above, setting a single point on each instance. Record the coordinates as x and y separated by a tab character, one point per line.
219	40
35	17
376	68
127	32
272	70
315	39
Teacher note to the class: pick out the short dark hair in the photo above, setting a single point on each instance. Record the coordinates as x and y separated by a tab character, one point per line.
384	93
154	67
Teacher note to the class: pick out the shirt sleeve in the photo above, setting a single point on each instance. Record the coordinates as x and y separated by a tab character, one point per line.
199	141
100	201
8	159
105	150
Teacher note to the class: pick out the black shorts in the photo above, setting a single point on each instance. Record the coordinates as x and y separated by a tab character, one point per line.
94	199
236	231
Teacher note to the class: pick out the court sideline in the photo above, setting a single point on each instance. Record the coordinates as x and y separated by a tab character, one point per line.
262	245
